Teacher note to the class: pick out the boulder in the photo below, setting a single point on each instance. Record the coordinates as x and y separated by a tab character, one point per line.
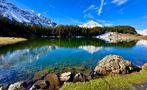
30	83
54	82
67	77
80	77
39	77
22	85
40	85
89	73
113	64
144	66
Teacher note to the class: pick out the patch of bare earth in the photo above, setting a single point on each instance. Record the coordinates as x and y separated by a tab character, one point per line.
10	40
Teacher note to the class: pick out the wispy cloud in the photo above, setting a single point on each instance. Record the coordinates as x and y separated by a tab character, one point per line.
101	7
121	11
119	2
90	8
89	16
74	20
62	15
88	12
95	8
145	17
105	22
70	19
51	6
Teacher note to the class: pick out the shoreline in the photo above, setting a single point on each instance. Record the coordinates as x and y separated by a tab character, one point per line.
113	72
10	40
132	81
115	37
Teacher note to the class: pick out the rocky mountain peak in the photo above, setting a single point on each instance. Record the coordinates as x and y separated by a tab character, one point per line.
12	12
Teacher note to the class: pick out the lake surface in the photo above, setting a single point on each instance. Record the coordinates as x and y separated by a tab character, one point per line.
21	61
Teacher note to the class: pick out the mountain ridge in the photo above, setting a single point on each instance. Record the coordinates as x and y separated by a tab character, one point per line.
12	12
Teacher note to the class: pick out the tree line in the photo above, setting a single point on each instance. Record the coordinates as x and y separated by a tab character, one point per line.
16	29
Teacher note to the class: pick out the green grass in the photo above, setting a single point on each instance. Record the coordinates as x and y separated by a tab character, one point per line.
110	82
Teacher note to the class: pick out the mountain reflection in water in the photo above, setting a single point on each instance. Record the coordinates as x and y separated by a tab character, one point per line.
21	61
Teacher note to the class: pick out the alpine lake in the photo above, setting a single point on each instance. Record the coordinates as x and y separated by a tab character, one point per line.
23	60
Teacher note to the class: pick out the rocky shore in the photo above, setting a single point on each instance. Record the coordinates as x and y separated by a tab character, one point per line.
114	37
109	65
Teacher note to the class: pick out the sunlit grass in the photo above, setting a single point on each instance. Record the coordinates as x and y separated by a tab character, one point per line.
110	82
10	40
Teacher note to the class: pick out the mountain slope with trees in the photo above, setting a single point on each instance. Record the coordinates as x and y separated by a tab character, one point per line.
9	28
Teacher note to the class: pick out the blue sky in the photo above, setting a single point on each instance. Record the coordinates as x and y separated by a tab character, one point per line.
75	12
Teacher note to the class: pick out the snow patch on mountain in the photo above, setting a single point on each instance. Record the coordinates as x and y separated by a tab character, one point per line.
23	16
142	32
105	36
91	24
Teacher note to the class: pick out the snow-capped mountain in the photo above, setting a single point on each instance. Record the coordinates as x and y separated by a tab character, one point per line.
142	32
91	24
12	12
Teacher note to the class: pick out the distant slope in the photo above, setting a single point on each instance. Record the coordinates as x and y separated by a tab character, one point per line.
23	16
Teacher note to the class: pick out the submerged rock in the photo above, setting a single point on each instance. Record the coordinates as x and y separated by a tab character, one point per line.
22	85
113	64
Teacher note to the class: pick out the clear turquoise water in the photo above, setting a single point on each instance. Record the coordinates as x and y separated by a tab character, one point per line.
21	61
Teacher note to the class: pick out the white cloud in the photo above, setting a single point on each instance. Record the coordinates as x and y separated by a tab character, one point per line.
119	2
105	23
101	7
87	12
95	8
108	24
89	16
51	6
75	21
90	8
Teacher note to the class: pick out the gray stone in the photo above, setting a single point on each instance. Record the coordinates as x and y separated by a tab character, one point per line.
1	87
113	64
54	82
18	86
144	66
65	76
40	85
80	77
